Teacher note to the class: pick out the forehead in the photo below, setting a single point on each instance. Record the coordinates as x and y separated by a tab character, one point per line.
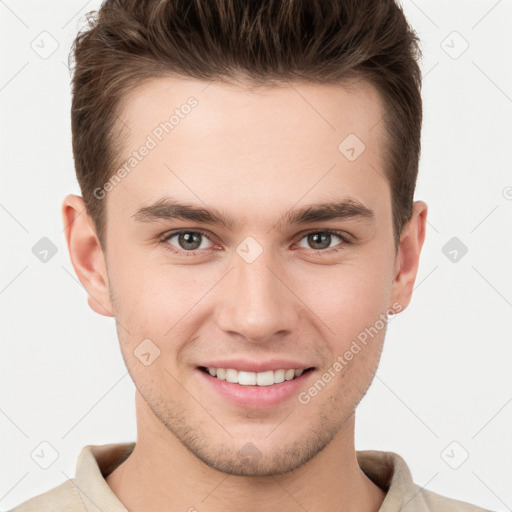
212	141
325	112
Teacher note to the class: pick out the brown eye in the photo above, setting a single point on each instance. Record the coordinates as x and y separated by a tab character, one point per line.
190	241
187	241
322	240
318	240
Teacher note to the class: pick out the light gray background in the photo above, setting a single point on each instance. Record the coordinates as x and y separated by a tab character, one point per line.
445	374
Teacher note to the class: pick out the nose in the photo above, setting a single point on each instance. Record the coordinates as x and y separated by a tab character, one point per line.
257	300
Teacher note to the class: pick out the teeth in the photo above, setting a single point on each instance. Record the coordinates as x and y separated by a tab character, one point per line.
264	378
247	378
232	375
254	379
279	376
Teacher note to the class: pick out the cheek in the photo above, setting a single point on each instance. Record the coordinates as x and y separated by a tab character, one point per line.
352	297
157	300
356	316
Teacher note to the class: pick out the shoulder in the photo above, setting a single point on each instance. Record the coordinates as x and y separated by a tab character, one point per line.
63	498
438	503
390	472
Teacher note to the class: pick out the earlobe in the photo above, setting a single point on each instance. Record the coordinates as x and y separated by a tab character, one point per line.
86	254
407	259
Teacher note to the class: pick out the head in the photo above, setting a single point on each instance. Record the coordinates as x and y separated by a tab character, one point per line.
282	138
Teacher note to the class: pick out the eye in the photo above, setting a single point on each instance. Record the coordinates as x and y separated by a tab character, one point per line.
187	241
321	240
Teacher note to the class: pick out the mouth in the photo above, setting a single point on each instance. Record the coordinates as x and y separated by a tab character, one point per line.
266	378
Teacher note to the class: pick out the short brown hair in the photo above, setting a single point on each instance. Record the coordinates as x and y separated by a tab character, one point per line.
267	42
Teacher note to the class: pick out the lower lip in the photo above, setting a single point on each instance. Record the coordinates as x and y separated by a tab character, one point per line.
257	397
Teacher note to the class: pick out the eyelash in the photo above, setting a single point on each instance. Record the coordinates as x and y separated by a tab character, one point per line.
167	236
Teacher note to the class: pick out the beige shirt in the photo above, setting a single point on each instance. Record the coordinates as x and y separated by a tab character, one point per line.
89	492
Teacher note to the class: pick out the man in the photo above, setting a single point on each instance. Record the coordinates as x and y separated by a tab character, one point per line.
248	172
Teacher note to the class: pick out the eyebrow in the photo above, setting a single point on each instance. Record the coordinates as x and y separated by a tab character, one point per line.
168	208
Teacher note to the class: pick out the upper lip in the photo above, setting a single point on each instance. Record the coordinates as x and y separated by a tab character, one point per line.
247	365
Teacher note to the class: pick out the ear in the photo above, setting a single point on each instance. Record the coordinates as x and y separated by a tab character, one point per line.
86	254
408	255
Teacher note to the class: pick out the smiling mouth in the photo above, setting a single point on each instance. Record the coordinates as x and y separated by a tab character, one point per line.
268	378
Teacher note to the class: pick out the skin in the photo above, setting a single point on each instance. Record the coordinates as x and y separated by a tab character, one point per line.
254	155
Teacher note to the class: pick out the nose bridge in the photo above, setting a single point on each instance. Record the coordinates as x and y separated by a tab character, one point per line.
259	305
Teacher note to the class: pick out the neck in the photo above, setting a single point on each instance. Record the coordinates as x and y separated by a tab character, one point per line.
162	475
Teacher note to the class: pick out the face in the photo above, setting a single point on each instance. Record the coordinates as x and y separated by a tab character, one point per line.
290	264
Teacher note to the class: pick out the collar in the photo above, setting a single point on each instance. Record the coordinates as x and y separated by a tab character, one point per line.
386	469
